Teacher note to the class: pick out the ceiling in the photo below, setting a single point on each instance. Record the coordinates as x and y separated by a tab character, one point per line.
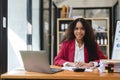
85	3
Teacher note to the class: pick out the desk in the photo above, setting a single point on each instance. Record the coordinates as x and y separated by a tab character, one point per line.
68	75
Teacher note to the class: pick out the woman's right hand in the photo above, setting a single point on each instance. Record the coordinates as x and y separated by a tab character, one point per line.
79	64
70	64
84	65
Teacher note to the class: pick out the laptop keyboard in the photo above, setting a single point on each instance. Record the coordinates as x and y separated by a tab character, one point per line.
56	70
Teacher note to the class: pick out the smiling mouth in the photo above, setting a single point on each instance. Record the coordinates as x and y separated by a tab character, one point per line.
79	35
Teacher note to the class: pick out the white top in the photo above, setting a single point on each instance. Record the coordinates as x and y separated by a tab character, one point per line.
79	53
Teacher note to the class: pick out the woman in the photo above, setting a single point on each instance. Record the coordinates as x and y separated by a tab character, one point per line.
79	48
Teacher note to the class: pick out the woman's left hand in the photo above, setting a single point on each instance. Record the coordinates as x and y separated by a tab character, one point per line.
87	65
84	65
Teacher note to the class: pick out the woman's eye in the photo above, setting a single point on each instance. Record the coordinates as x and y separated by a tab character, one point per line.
76	28
80	28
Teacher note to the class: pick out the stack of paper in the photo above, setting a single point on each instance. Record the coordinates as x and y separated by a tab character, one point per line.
109	66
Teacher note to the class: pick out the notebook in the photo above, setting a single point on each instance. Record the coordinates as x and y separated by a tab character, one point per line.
37	61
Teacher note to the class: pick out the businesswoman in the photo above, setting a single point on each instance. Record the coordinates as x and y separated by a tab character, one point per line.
79	47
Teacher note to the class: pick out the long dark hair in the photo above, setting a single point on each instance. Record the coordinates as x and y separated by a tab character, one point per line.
88	39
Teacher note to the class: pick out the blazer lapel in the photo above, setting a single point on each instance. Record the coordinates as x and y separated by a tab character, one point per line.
86	55
72	51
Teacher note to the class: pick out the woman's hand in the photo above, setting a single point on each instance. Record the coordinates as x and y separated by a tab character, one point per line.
80	64
84	65
87	65
71	64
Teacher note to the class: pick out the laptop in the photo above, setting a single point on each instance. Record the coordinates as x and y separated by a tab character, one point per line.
37	61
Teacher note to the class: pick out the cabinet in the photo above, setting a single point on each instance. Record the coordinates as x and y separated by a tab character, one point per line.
100	27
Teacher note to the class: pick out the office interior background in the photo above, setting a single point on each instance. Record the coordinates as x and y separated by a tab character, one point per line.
32	25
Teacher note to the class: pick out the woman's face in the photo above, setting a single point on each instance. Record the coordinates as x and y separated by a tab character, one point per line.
79	31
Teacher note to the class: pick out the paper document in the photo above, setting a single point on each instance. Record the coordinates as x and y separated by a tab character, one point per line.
71	69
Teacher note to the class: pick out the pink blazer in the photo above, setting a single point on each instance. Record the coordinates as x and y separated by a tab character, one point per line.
67	51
